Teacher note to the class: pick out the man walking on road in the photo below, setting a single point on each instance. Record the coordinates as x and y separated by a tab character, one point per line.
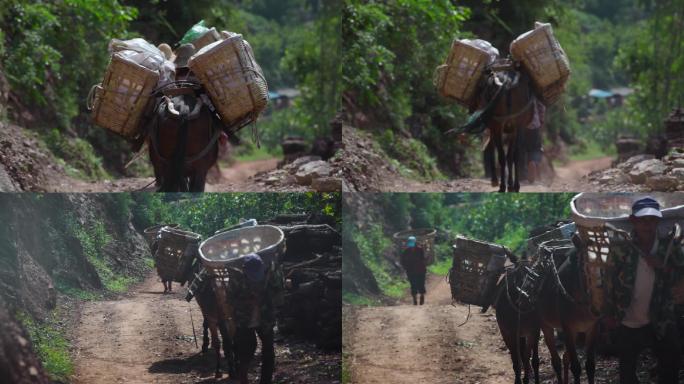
413	261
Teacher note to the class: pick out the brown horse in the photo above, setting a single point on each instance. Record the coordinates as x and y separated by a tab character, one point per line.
508	99
214	318
564	304
183	138
518	320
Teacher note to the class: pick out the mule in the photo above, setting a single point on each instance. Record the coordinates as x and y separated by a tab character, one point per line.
518	321
564	304
509	98
213	319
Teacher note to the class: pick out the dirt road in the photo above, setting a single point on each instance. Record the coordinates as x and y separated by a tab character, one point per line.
414	344
146	337
233	179
569	178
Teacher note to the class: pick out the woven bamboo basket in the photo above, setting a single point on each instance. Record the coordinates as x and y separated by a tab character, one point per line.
207	38
591	212
459	77
176	250
474	263
151	234
227	249
425	237
559	233
119	102
233	79
542	56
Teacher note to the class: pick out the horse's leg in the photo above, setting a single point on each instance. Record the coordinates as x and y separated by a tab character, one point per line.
216	344
498	143
205	336
267	355
514	348
198	181
535	355
590	364
550	342
571	352
516	161
227	348
510	160
525	345
490	163
245	345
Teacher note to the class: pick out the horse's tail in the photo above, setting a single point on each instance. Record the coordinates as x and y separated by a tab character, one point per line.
174	177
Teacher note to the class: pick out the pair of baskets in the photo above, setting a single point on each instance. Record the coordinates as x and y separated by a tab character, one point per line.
475	263
176	250
151	234
591	212
425	237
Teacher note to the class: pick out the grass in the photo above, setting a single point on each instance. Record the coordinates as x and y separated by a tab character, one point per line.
93	239
440	267
253	153
346	372
590	150
71	291
355	299
50	345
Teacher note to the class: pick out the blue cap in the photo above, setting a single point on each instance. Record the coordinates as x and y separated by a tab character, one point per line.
646	206
411	242
254	267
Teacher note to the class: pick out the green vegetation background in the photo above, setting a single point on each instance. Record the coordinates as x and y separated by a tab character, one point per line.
391	48
53	51
504	219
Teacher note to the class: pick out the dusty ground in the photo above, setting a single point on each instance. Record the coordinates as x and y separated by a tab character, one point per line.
147	337
366	168
408	344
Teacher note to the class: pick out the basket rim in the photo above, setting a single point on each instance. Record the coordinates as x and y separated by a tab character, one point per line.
158	227
585	220
401	235
215	263
187	234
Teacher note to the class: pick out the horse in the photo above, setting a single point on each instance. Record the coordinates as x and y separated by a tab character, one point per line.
518	320
565	304
183	135
508	98
213	317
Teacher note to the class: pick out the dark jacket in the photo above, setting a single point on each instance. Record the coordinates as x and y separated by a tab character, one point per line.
413	260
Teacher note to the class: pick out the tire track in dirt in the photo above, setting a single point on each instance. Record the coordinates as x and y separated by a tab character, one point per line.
414	344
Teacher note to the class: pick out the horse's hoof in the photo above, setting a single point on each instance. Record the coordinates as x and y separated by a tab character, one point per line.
495	183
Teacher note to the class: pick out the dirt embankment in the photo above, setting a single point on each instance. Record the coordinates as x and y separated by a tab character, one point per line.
367	168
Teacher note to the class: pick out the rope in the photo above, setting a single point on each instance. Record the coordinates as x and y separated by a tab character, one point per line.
467	317
192	322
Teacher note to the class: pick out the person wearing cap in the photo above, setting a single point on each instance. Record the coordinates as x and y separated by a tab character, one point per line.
648	269
255	291
413	261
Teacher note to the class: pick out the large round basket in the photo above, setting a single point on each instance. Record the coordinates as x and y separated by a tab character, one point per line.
591	212
151	233
229	248
424	236
176	250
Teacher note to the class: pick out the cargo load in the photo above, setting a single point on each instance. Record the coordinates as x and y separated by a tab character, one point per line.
460	76
233	79
425	237
475	265
118	103
228	248
596	215
151	234
544	60
563	232
176	251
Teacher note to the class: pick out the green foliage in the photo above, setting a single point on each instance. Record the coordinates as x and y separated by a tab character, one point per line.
78	153
51	345
208	212
412	153
355	299
373	244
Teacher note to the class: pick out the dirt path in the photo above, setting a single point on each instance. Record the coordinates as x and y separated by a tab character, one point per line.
146	337
414	344
236	178
570	177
